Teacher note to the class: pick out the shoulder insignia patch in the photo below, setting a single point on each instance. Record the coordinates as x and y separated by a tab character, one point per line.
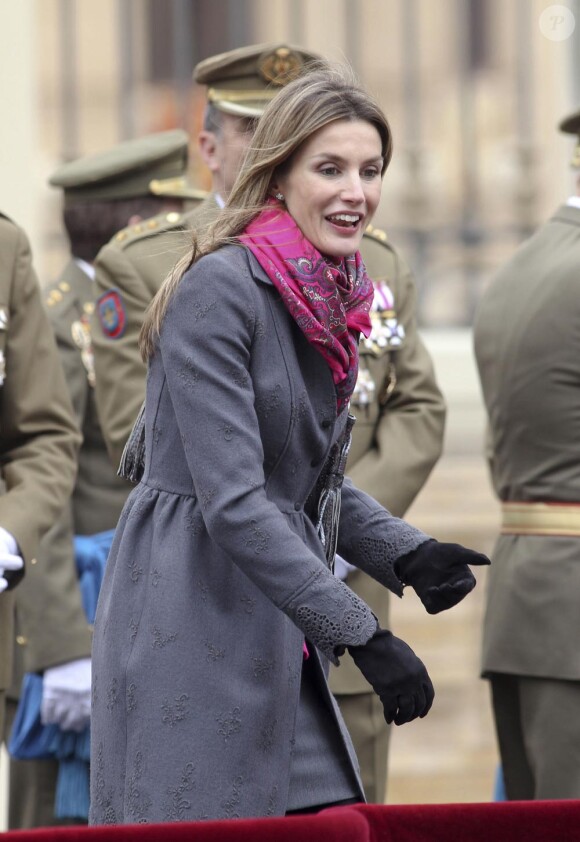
112	314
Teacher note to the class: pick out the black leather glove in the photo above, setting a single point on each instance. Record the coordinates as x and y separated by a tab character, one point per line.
396	675
439	573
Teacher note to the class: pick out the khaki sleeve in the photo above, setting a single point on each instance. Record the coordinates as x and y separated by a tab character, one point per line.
119	370
409	433
50	611
40	439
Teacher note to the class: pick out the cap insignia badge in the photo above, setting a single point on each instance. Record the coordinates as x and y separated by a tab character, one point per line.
281	66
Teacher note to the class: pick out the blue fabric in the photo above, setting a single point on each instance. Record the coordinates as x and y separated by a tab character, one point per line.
30	739
499	793
72	789
91	552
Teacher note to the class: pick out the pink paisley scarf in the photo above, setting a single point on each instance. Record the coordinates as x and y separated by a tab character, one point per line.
329	299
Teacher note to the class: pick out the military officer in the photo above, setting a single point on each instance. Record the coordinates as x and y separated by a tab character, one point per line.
101	193
39	438
132	266
399	431
527	345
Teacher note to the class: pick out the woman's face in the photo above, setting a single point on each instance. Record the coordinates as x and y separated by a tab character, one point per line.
333	186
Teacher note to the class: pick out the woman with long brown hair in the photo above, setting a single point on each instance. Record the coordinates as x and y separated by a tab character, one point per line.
219	611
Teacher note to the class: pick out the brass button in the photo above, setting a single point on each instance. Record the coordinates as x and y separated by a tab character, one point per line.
34	561
173	216
21	640
64	286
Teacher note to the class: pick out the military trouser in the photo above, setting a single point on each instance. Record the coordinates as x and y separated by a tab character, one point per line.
538	732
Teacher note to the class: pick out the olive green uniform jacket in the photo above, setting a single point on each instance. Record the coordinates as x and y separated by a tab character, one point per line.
135	263
39	439
396	441
49	602
527	346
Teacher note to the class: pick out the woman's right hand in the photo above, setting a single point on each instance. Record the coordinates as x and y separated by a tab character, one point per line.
397	676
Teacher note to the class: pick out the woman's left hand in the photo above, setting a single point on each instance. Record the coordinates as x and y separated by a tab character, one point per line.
439	573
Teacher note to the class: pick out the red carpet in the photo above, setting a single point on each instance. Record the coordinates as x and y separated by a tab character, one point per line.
338	826
519	821
516	821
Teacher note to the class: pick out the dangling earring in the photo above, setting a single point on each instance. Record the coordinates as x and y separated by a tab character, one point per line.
279	196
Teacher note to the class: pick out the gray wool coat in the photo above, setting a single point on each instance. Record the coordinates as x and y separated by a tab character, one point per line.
217	574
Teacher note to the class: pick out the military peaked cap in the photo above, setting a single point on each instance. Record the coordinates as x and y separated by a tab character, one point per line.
243	81
151	165
571	125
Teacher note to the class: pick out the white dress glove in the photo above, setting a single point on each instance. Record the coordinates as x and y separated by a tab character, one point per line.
9	557
342	568
66	695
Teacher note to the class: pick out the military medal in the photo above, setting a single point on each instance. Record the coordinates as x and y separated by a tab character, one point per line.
81	334
387	334
364	390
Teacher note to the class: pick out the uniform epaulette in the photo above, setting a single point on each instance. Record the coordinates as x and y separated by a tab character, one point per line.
376	234
59	295
177	188
147	228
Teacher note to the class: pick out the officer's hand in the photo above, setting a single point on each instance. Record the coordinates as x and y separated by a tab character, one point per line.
396	675
11	562
66	695
439	573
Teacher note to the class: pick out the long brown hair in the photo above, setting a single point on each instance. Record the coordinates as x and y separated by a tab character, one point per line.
323	93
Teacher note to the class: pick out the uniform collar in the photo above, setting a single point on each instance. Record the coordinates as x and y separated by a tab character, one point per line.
85	267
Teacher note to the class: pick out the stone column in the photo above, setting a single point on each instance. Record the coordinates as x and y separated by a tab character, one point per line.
19	185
